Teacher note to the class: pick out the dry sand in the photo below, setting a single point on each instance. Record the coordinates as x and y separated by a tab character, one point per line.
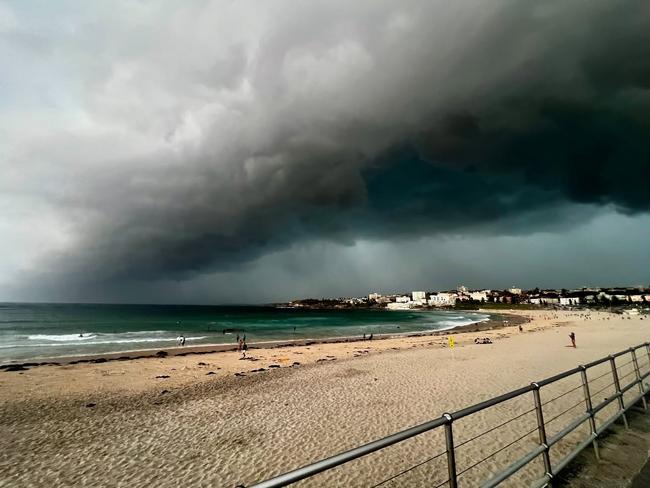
117	424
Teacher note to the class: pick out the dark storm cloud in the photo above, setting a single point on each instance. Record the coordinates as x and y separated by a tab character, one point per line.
323	122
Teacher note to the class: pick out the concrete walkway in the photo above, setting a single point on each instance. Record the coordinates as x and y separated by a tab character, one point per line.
624	460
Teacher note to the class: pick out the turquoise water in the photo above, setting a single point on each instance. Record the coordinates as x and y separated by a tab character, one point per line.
33	331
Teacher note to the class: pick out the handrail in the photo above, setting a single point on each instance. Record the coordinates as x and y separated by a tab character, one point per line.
490	403
543	447
558	377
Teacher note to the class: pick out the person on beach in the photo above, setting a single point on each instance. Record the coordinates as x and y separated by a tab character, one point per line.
182	340
244	348
237	338
521	329
370	338
239	344
572	336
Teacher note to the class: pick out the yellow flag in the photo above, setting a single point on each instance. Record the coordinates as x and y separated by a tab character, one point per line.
451	342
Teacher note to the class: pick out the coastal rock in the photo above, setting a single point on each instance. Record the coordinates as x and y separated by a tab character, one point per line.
274	366
15	367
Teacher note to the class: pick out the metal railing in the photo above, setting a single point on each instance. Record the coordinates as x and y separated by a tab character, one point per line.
625	371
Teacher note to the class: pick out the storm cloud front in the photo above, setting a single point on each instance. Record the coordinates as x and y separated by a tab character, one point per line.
208	144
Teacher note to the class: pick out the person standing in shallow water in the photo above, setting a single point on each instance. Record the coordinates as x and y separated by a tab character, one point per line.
572	336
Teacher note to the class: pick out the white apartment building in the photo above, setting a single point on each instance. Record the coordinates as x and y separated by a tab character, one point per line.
419	295
479	296
442	299
549	300
403	299
374	296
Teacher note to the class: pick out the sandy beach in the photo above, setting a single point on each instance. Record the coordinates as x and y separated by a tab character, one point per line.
216	420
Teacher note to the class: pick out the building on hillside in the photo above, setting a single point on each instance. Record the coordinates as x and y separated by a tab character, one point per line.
461	289
442	299
403	299
399	305
419	295
479	295
569	301
515	291
374	296
549	299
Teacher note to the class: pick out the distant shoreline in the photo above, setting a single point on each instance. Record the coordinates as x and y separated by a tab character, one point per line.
494	322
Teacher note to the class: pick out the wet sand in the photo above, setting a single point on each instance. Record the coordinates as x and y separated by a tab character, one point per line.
216	420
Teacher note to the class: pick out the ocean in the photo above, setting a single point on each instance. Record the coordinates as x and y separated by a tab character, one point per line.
38	331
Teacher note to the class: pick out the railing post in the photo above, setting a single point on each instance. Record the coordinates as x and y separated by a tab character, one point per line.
617	385
590	410
647	350
638	378
541	430
451	455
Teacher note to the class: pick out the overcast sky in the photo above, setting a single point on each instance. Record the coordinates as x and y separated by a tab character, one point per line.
246	151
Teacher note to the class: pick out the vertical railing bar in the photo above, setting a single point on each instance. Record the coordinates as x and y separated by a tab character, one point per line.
541	430
617	385
635	361
451	454
590	410
647	350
